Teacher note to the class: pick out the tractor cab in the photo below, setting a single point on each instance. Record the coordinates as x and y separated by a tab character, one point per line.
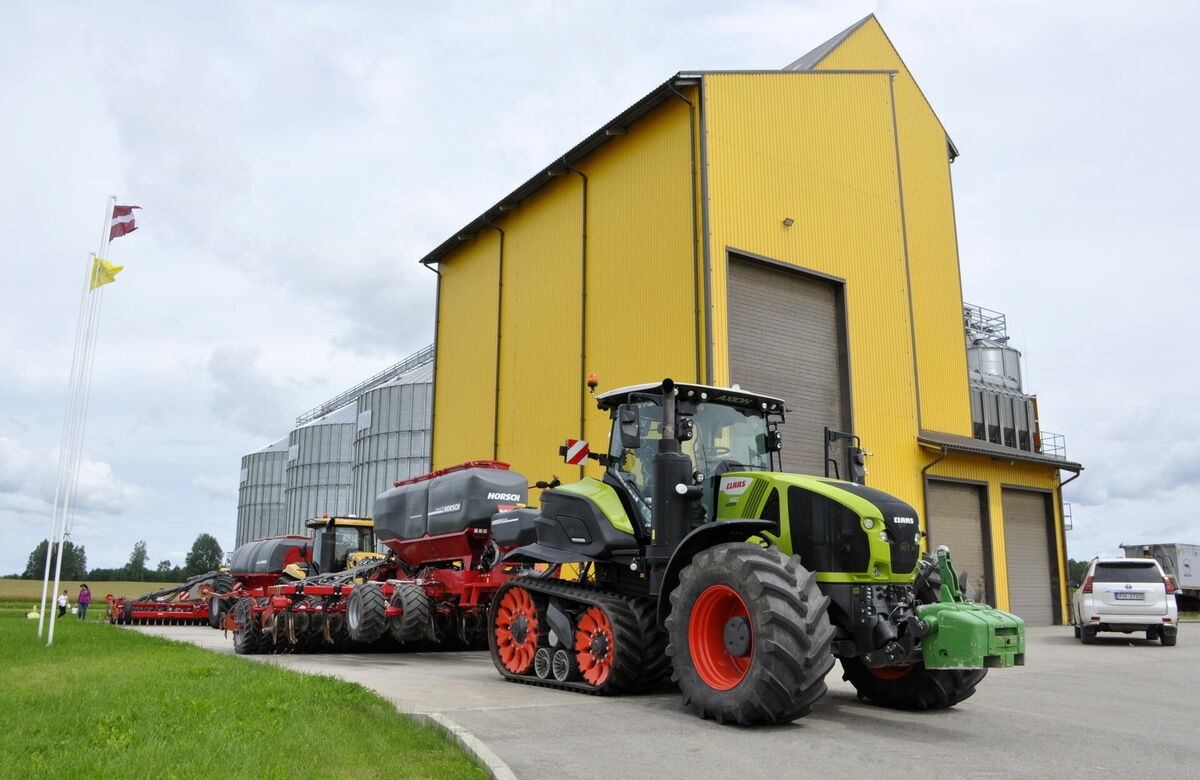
343	542
721	430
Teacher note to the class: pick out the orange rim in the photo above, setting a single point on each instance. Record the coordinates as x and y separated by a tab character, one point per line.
717	666
516	630
594	646
891	672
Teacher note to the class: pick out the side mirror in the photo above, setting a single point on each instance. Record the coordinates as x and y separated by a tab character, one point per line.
629	424
774	441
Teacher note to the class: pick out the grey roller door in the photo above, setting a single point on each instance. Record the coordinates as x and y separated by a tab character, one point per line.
956	520
1027	547
784	341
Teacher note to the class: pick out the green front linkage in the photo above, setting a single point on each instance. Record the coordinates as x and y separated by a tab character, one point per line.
966	635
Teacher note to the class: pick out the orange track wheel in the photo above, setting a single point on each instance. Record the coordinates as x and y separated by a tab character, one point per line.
516	630
891	672
720	637
594	646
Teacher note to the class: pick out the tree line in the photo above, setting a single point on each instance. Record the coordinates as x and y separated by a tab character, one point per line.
206	555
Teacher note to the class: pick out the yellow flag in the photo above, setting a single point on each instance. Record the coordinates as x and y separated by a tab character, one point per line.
103	272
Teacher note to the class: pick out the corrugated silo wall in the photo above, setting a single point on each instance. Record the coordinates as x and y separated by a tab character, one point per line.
318	471
260	495
392	440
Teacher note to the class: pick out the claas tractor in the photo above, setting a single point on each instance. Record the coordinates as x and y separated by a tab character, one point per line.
701	560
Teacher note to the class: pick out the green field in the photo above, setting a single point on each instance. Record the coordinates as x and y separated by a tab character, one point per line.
20	596
108	702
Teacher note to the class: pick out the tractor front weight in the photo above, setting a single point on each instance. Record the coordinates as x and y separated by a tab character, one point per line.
966	635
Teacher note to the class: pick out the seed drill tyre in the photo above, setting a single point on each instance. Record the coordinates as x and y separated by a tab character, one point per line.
365	613
219	607
749	635
911	687
414	624
249	639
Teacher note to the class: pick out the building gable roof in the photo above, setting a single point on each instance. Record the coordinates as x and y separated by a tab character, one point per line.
864	45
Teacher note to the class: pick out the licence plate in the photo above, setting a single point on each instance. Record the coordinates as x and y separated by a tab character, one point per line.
1130	596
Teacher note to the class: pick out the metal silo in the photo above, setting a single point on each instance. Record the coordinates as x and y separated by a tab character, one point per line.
260	493
319	457
392	439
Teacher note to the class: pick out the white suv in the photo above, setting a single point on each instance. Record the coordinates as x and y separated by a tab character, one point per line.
1126	595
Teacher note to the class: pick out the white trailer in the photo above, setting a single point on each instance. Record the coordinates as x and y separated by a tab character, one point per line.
1180	561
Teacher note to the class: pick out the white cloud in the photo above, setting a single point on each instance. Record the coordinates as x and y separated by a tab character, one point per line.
223	488
28	479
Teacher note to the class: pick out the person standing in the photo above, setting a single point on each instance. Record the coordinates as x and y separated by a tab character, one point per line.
63	602
83	600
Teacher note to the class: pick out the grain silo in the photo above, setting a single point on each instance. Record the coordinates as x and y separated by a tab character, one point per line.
392	435
260	493
319	457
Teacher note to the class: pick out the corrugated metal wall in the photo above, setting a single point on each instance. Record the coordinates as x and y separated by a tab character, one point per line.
819	149
640	301
929	230
391	440
320	455
261	508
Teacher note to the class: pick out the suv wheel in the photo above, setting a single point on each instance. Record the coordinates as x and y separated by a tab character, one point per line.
1168	640
1087	634
1076	632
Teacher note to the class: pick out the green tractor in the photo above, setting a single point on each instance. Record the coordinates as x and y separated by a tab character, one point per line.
699	559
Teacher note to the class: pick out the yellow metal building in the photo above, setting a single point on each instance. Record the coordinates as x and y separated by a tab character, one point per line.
788	230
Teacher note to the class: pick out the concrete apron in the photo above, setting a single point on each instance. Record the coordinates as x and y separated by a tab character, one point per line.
1073	709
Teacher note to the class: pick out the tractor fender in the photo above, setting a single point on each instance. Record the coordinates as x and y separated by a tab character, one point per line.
707	535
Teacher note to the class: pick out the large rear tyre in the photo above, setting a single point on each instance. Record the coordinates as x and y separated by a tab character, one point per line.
911	687
749	635
218	607
414	623
366	619
249	638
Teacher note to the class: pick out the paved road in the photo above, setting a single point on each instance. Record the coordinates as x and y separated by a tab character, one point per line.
1122	707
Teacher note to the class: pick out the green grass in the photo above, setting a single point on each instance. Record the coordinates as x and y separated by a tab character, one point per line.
108	702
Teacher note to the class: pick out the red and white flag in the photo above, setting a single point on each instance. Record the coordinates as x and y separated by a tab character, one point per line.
122	221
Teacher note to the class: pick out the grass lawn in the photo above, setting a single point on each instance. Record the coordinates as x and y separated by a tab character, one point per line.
108	702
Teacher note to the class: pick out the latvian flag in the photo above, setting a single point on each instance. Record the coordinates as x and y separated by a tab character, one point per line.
122	221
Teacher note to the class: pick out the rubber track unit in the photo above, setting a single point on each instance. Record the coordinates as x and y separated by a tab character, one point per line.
918	689
630	643
656	664
367	604
791	632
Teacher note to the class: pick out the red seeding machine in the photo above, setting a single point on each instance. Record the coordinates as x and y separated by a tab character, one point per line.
185	604
432	589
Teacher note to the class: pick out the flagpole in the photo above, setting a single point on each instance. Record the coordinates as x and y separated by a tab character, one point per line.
77	418
70	415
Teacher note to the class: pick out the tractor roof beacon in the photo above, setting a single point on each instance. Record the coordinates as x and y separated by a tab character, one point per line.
698	557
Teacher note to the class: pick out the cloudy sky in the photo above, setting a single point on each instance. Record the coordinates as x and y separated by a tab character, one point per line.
294	160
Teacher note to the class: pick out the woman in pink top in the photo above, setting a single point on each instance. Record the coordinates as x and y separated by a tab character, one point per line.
82	600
